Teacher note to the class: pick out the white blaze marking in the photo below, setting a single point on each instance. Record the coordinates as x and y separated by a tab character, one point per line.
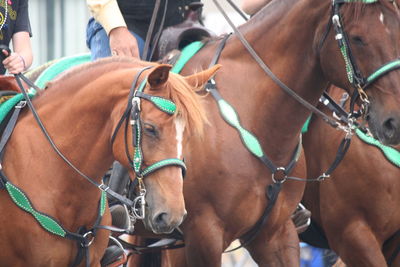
381	19
180	127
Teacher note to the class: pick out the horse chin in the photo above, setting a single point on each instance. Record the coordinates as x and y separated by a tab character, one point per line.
157	229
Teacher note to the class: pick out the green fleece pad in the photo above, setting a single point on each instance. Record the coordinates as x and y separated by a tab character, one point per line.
10	103
392	154
60	66
187	53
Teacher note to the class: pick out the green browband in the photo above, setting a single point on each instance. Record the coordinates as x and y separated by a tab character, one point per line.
161	103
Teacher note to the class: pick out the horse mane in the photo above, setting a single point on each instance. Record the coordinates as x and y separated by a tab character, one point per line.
103	65
188	104
93	70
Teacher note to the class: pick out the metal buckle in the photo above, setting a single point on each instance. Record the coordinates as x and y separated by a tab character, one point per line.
139	205
87	236
137	100
363	94
336	21
348	129
103	187
210	85
279	181
21	104
323	176
339	36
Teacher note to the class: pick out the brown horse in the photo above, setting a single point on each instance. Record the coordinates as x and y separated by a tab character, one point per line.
81	111
357	207
225	188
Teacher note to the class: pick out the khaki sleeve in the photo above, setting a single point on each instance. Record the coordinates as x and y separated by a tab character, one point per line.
107	13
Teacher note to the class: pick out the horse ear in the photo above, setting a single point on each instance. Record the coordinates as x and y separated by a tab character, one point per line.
201	78
159	76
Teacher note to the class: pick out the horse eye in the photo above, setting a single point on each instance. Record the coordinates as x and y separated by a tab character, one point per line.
357	40
150	130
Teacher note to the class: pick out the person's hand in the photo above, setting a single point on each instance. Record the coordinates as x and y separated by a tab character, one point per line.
123	43
15	63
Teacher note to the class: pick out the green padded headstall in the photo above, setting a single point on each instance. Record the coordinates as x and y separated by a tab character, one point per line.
47	222
162	104
353	73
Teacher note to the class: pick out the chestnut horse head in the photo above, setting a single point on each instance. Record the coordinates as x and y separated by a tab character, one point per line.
165	110
81	110
367	33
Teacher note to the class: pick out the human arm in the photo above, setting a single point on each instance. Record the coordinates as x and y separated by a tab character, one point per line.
21	59
108	14
252	6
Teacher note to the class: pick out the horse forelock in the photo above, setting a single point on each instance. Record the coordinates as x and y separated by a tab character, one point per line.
188	103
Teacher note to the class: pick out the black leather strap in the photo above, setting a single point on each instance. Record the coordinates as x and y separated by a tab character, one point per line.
10	128
272	193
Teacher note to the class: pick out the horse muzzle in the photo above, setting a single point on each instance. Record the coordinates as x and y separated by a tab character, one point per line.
163	222
387	129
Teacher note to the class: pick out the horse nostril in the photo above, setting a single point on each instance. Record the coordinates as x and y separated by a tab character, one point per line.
389	127
161	219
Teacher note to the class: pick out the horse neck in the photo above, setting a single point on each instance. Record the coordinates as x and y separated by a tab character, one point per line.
283	34
79	123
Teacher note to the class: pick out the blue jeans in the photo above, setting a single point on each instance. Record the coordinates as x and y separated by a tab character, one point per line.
98	42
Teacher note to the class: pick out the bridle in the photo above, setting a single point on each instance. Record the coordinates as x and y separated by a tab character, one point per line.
132	116
358	81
